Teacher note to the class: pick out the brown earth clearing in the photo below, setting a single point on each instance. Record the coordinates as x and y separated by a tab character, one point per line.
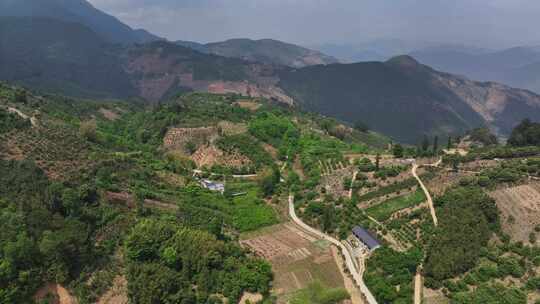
520	210
178	138
210	155
55	294
248	104
108	114
296	257
117	294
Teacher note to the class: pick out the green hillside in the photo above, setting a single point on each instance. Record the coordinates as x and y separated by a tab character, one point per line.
89	192
59	56
396	100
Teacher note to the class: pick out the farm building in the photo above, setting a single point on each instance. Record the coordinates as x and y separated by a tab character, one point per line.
366	238
213	186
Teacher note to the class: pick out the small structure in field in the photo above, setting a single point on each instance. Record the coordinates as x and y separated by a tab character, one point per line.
213	186
366	238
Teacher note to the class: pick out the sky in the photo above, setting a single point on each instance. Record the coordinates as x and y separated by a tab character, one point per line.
480	23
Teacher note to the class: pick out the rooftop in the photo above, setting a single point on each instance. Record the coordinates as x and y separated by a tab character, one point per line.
366	237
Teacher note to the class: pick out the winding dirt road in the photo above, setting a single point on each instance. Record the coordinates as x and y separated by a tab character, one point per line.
426	192
418	286
352	184
347	252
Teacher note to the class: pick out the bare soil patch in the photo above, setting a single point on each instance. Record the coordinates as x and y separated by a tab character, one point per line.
55	293
117	294
520	209
178	138
210	155
434	297
248	104
229	128
108	114
297	259
251	297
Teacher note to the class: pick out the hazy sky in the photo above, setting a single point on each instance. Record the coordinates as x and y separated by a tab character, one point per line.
484	23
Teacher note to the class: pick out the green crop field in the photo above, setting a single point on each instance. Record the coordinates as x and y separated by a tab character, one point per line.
384	210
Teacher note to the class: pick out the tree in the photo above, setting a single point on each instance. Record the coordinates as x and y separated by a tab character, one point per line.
20	96
361	126
191	147
449	144
436	144
398	151
88	130
328	218
268	181
425	143
377	162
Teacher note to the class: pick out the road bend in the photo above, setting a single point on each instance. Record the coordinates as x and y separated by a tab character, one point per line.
347	252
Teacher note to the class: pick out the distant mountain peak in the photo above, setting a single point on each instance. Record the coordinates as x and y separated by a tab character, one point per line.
268	51
404	61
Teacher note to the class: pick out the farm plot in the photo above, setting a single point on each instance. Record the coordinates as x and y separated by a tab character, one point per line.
384	210
296	257
444	180
520	209
333	182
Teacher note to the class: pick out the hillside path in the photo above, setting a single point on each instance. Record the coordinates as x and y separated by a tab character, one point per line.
418	288
347	252
352	184
424	188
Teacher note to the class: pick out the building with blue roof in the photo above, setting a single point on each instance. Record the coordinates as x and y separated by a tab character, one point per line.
366	238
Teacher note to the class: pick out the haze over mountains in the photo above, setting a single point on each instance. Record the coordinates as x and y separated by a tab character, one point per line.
518	66
79	11
264	50
72	48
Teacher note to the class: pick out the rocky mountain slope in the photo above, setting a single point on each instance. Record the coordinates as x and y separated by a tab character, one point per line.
519	66
265	51
400	97
405	99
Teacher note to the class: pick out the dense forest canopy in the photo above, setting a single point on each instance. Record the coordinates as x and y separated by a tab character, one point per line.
527	133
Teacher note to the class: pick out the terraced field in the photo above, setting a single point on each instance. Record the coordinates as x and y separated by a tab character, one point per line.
297	259
384	210
520	208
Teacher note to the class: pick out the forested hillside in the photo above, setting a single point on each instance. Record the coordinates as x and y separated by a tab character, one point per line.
60	56
94	194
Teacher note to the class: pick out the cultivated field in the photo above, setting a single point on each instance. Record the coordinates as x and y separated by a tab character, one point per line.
296	257
248	104
520	208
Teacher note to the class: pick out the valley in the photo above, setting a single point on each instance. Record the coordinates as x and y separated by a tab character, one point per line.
135	169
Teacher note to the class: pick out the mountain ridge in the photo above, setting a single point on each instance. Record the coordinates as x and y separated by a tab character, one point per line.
269	51
79	11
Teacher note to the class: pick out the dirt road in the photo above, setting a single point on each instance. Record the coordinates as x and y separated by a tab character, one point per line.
349	259
418	288
426	192
352	184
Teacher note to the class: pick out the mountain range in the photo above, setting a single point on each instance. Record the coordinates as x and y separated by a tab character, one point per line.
264	50
399	97
518	66
78	11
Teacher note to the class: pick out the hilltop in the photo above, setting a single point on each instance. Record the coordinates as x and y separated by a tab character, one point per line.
267	51
106	26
